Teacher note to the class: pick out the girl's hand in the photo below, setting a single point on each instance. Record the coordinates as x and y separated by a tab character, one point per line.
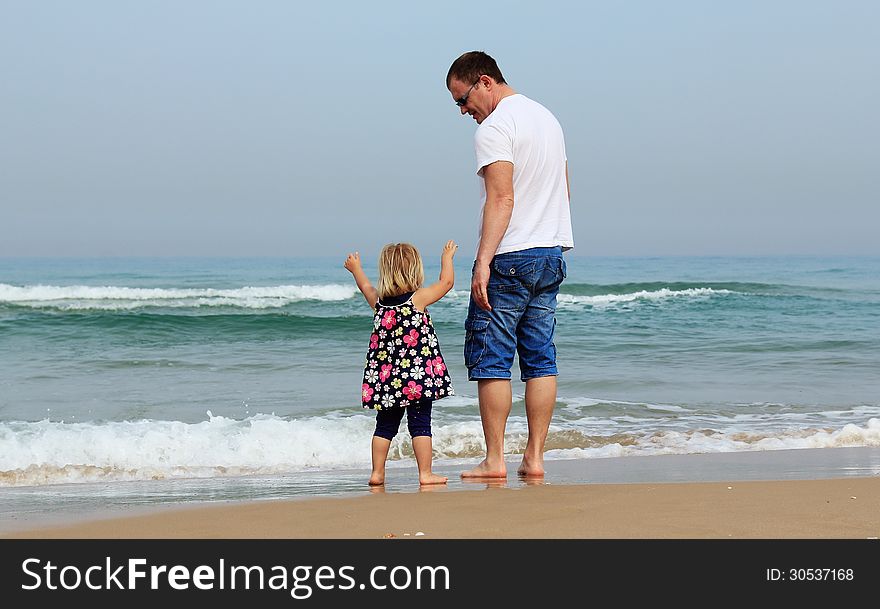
449	249
353	262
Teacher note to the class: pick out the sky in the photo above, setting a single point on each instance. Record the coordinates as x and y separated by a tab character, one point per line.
276	128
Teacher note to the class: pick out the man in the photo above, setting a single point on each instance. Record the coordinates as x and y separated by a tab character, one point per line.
525	226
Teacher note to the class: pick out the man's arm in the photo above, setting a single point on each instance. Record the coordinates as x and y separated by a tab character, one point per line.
498	177
567	182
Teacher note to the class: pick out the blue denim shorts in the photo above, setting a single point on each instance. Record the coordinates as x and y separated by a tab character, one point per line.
522	291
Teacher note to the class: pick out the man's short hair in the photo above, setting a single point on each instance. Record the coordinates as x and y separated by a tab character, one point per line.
471	65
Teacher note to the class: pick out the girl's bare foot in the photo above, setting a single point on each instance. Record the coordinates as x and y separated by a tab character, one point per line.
432	478
377	479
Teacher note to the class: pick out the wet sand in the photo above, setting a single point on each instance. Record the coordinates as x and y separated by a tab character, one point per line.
768	495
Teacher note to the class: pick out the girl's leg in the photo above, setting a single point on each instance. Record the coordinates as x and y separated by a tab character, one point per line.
379	450
424	450
418	418
387	424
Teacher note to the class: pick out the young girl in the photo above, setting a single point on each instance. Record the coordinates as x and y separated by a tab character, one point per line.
404	369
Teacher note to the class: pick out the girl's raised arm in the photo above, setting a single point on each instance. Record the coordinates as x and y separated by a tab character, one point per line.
434	292
353	264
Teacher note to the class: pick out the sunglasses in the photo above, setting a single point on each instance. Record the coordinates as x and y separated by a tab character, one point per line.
463	99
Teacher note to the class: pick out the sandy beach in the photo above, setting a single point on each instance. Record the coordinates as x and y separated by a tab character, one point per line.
770	495
791	509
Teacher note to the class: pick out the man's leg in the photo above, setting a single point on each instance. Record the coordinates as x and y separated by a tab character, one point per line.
540	401
495	402
489	350
537	358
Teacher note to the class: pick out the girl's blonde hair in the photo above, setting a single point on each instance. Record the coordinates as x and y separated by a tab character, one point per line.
400	270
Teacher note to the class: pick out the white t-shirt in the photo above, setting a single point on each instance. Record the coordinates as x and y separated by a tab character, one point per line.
525	133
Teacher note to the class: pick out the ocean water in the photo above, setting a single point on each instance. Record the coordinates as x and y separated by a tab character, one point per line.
174	379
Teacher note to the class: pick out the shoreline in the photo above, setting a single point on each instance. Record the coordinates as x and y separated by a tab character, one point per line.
805	493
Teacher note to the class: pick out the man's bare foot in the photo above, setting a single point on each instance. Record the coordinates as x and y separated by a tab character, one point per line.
432	478
377	480
484	470
529	469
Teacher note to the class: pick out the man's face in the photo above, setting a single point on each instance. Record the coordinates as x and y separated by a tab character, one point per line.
475	97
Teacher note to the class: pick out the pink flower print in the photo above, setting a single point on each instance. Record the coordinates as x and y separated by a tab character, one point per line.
366	393
388	320
386	372
374	341
412	391
435	366
412	338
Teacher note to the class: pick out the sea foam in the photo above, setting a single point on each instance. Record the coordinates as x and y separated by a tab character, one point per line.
80	297
608	300
49	452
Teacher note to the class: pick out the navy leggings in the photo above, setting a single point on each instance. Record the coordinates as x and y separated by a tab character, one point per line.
418	420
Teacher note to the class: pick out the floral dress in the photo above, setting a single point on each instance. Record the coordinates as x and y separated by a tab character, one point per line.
403	362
